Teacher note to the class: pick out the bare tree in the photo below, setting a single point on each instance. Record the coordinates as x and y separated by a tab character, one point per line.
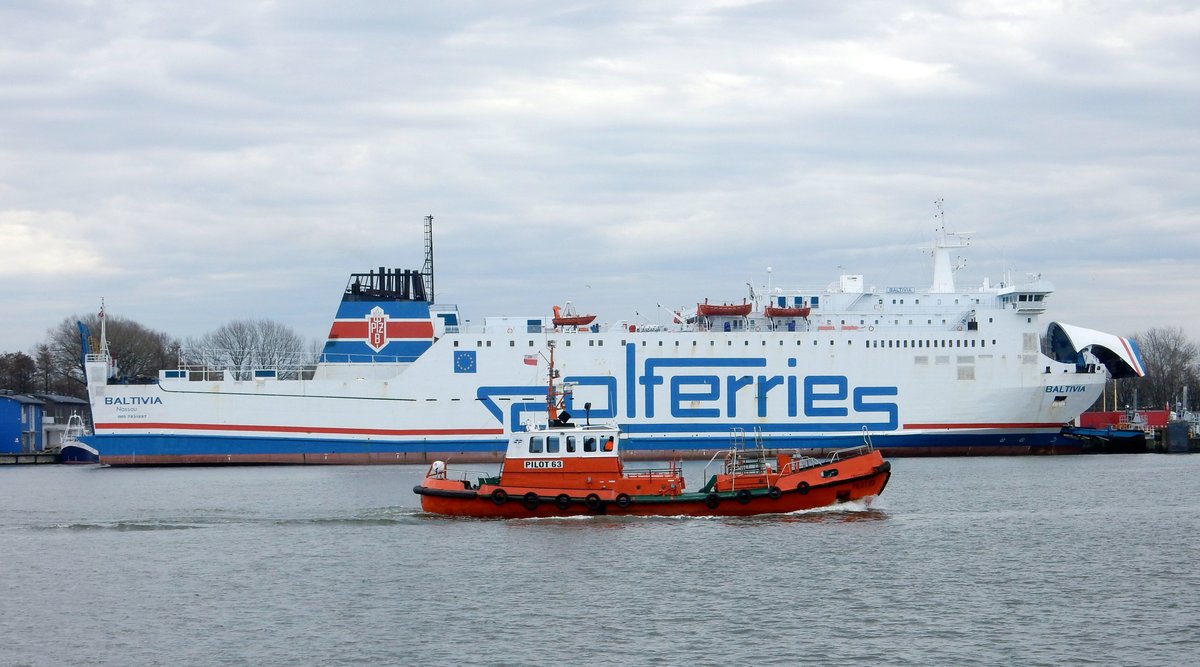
245	345
139	352
1171	364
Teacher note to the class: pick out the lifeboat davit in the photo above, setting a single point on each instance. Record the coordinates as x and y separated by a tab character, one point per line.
779	311
569	318
565	469
707	309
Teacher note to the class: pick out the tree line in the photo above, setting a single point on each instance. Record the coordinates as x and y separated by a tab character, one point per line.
1172	361
54	366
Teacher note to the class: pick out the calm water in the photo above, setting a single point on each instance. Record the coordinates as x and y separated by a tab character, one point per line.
1067	560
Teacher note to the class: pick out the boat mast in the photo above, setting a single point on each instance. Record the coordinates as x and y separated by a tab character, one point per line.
427	269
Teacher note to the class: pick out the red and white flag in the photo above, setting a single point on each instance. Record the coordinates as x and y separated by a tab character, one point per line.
531	360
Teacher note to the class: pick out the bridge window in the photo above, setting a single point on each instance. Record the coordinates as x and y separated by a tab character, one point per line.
570	444
535	444
552	444
589	444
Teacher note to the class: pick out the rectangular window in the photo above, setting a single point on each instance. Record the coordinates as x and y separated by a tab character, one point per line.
535	444
589	444
570	443
552	444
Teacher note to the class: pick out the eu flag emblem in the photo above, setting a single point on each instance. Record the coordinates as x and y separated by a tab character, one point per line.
464	361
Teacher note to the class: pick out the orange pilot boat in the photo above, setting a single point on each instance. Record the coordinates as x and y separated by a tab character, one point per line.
565	469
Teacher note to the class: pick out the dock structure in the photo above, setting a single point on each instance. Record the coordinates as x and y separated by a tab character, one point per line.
24	458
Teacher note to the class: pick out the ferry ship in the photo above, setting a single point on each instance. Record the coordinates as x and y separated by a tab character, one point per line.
930	370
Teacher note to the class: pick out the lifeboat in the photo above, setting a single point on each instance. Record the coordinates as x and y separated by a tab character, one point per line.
779	311
568	317
707	309
566	469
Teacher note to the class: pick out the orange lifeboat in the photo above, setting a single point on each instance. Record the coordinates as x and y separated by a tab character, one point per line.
707	309
780	311
569	318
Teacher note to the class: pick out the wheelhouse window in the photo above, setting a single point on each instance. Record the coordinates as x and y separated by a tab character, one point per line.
535	444
589	443
552	444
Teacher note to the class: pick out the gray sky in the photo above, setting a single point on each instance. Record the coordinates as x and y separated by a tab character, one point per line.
196	163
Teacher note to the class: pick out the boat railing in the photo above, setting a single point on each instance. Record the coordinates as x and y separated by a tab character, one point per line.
801	463
850	452
669	471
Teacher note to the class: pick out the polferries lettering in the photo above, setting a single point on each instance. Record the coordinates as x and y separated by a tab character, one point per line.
692	390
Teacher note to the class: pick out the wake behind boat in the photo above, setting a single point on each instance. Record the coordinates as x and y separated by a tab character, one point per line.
402	378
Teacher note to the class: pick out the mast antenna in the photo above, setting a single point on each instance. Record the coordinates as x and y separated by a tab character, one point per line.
427	269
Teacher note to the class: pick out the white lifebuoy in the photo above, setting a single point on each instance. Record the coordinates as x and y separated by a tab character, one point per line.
510	330
871	327
958	328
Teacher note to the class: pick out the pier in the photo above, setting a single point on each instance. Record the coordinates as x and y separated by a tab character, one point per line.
27	458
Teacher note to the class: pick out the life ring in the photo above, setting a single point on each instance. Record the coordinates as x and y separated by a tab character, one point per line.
499	496
530	501
958	328
592	501
802	487
623	500
510	330
870	327
743	496
712	501
562	501
773	493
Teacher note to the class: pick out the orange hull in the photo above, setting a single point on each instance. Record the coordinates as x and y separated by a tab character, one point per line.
839	481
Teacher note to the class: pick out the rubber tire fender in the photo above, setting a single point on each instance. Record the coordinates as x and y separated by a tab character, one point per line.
499	496
592	501
530	501
743	496
773	493
713	500
562	501
802	487
623	500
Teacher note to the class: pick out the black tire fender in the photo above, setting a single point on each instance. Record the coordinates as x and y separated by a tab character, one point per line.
743	496
713	500
592	501
562	501
499	496
802	487
773	493
530	501
623	500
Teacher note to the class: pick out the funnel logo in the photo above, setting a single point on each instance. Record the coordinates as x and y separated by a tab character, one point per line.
377	337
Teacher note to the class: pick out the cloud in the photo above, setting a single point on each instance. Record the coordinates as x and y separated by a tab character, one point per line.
195	163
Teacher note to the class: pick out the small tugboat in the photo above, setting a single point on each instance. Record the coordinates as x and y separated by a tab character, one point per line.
564	469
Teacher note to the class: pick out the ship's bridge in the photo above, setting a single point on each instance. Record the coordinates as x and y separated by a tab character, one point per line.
1028	298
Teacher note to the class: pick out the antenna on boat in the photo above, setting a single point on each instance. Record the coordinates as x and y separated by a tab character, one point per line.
427	268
